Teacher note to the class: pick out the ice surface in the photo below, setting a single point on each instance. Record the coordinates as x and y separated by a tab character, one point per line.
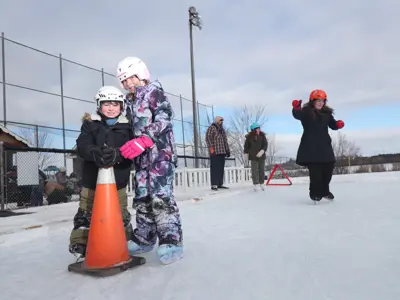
240	245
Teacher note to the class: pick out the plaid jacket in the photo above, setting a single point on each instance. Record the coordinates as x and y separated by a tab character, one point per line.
216	138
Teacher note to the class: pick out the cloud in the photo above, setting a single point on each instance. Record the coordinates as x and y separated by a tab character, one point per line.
371	142
246	53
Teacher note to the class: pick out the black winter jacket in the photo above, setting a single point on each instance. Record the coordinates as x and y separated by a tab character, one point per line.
254	143
316	143
96	133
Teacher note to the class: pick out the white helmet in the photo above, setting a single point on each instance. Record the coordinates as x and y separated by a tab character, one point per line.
109	93
132	66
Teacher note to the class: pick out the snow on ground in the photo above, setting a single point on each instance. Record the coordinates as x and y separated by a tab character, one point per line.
238	245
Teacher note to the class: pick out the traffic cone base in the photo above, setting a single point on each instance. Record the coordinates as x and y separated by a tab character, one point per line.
107	248
81	267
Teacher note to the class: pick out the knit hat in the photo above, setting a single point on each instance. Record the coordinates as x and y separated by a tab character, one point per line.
218	118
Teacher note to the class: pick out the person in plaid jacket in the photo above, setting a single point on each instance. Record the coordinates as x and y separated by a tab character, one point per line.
217	143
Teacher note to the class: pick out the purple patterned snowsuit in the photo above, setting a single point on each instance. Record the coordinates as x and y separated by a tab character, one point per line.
157	213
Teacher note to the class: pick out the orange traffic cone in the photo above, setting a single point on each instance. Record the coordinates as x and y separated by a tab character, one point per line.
107	249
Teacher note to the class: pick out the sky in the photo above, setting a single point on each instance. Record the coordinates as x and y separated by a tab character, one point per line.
248	53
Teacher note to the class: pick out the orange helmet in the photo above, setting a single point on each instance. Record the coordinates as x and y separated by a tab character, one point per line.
317	94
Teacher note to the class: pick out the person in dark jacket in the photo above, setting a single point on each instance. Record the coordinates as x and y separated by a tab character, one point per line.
102	134
315	151
255	147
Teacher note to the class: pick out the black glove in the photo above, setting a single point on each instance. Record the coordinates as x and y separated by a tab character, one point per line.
228	154
110	156
97	156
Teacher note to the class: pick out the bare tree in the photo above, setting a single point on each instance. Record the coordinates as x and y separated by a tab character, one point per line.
343	148
272	150
239	125
39	140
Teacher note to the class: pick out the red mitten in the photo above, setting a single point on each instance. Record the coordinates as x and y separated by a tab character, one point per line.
339	124
296	104
135	147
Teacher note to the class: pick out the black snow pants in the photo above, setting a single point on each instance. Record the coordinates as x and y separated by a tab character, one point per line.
320	178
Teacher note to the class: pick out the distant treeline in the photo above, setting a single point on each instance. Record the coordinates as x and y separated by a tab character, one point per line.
354	161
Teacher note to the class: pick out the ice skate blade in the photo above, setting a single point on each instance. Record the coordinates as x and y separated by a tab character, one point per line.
81	268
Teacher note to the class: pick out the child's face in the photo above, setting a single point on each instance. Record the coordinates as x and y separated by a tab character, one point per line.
132	82
318	104
111	109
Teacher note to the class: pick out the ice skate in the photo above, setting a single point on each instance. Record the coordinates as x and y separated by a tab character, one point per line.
255	188
329	197
261	187
78	250
223	187
168	253
315	198
134	248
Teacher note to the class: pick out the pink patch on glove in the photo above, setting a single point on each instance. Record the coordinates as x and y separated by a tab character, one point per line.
135	147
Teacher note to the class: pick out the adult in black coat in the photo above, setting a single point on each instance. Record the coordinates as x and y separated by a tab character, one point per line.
315	151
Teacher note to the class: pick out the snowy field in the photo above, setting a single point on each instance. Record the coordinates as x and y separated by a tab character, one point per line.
239	244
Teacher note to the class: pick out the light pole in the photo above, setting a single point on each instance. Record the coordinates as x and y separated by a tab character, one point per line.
194	20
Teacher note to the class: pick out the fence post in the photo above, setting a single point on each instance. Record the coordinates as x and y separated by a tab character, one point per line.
102	77
2	177
183	131
62	107
3	60
37	136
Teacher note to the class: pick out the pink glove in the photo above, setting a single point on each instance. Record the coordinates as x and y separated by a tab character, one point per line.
135	147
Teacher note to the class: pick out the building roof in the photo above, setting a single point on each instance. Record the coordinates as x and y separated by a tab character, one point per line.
15	136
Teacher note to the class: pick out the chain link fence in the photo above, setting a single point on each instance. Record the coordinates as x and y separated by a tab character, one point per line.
44	99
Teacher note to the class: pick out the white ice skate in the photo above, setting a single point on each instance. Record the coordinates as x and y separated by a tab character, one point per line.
134	248
168	253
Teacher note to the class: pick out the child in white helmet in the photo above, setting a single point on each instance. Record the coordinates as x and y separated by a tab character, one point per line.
102	134
155	160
